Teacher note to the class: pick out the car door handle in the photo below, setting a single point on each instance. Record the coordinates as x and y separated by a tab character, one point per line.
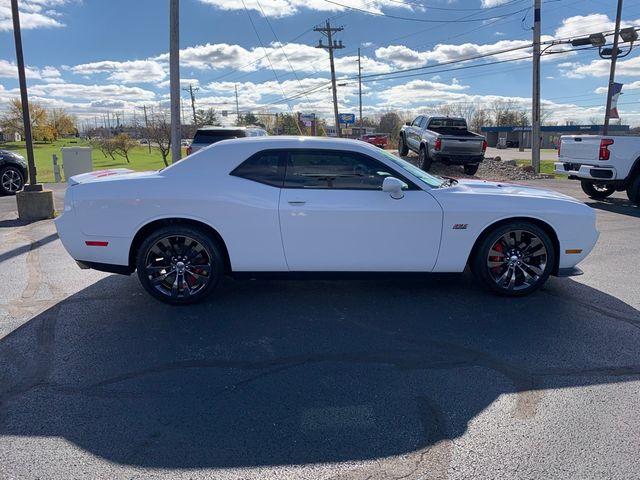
297	203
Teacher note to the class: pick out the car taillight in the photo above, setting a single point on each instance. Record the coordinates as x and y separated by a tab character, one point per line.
604	148
484	146
189	150
437	145
559	145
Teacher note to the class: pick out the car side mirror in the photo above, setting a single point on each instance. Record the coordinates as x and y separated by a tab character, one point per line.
393	187
408	124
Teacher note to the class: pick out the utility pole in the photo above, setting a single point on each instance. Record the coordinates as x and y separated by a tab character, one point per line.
146	126
535	111
174	78
360	90
193	101
612	72
24	98
333	45
237	106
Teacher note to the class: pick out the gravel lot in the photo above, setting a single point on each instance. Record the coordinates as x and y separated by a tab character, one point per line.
319	380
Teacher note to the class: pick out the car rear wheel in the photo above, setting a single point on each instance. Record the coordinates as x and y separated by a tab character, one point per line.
597	190
179	264
514	259
403	149
633	189
424	161
11	180
471	169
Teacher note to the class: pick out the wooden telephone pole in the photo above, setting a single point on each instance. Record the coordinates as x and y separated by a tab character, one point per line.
332	45
193	101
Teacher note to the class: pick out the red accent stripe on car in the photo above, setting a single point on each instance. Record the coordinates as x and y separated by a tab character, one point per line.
96	243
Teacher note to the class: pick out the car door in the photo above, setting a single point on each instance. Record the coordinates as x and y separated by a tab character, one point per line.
414	133
334	216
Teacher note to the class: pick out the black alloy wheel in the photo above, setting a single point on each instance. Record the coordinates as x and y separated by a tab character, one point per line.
514	259
11	180
179	264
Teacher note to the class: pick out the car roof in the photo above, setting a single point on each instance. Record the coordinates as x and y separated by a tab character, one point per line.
211	127
294	141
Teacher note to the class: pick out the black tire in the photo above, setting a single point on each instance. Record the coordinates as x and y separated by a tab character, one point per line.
597	190
424	161
11	180
518	267
633	189
403	149
471	169
179	248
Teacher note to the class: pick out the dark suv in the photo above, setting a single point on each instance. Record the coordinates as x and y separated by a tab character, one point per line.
207	135
13	172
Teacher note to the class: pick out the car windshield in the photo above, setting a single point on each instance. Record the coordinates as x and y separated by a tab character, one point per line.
430	180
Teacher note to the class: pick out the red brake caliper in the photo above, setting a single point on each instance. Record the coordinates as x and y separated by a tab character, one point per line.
498	247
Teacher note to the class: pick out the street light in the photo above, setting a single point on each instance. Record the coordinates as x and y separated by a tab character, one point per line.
629	34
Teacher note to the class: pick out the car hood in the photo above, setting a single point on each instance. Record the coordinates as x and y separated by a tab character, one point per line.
484	187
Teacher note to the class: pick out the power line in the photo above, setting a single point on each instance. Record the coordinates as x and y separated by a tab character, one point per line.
422	20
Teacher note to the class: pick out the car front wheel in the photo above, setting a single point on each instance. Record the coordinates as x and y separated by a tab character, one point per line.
514	259
633	189
11	180
179	264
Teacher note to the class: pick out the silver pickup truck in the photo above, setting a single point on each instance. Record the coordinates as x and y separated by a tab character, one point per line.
442	139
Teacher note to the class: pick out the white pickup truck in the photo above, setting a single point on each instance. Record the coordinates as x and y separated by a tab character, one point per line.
603	164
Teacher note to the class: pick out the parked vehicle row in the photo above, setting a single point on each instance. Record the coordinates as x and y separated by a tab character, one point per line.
13	172
312	206
442	139
603	164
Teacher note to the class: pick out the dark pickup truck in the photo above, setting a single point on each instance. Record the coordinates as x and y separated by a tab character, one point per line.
442	139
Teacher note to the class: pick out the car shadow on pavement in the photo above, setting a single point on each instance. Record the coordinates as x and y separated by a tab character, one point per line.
616	205
283	373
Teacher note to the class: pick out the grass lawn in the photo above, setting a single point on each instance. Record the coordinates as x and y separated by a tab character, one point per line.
546	166
140	157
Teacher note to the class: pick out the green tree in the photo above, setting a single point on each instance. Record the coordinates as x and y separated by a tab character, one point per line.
207	117
60	123
249	120
390	123
12	120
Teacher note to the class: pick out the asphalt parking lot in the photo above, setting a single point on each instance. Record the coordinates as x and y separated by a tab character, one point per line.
319	380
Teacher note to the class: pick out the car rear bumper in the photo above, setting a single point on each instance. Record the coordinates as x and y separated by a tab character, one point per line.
587	172
454	159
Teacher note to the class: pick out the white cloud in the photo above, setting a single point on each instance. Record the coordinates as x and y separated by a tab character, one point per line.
91	92
582	25
285	8
33	14
601	68
492	3
300	57
134	71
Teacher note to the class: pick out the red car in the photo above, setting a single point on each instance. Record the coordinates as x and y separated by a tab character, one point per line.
377	139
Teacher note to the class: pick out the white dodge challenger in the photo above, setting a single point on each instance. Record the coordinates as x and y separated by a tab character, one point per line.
316	206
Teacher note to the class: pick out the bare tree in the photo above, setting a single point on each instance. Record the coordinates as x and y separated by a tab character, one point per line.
159	133
481	118
123	145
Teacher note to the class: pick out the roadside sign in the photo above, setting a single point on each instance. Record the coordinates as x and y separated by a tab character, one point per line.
307	117
347	118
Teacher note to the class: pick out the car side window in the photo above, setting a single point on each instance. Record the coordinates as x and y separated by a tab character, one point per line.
423	123
334	170
263	167
417	122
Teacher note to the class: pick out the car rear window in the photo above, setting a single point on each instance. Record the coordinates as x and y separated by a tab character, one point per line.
447	123
213	136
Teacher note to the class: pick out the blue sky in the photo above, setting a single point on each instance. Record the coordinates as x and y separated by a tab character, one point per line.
94	56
